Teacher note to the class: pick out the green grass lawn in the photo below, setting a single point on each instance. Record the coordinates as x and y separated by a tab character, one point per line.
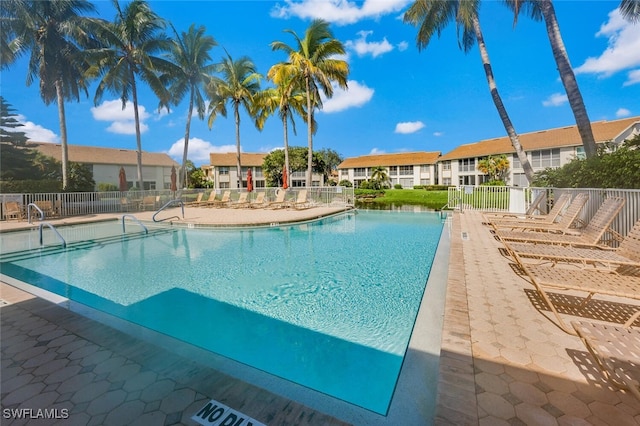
397	197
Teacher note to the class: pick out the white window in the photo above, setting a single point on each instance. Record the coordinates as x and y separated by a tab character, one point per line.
467	165
223	170
545	158
446	181
406	170
515	162
446	165
393	171
424	168
360	171
406	182
580	154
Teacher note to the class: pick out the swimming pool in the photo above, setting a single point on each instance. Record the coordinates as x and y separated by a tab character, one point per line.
329	304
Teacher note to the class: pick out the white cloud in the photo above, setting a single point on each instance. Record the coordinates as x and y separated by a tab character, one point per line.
356	96
623	112
633	78
199	150
622	52
36	132
555	100
402	46
376	151
409	127
362	47
340	12
123	120
438	134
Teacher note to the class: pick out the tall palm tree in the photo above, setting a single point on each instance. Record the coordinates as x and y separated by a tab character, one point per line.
129	47
190	52
432	16
543	9
313	60
286	97
630	9
52	32
239	84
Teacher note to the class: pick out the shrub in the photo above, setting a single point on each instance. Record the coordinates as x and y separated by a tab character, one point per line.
106	187
618	169
436	187
494	183
397	186
345	183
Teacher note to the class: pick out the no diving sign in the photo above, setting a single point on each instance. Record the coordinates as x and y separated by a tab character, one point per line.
215	413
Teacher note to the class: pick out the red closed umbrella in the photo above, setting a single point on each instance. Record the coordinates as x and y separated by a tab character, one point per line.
285	185
174	186
123	180
249	181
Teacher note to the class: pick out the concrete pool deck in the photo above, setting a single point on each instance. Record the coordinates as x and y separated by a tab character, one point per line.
501	361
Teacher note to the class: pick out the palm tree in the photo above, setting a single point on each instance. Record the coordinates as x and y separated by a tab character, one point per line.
130	43
286	97
379	177
432	16
543	9
496	167
239	85
630	9
190	52
314	63
52	32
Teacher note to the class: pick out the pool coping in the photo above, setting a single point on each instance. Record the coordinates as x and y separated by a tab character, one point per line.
415	393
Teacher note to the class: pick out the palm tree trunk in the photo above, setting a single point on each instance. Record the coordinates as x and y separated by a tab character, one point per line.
183	175
568	78
286	145
136	115
309	135
63	135
236	110
497	100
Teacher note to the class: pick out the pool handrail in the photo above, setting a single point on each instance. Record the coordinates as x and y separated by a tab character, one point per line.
135	219
34	205
167	205
42	224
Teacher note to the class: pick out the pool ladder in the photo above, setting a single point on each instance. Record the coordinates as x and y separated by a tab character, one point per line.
179	201
55	231
135	219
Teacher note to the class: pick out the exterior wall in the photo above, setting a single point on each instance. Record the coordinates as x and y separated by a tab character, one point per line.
158	177
407	176
227	177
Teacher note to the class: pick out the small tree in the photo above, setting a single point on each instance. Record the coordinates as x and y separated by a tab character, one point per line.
497	167
379	178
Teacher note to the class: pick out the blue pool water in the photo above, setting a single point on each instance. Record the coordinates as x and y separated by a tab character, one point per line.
329	304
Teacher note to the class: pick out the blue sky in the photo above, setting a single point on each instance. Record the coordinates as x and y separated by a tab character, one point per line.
399	99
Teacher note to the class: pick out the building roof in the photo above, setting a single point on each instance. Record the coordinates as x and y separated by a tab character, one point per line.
229	159
99	155
603	131
385	160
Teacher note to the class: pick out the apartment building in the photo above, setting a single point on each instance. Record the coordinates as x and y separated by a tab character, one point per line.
545	148
406	168
105	164
223	170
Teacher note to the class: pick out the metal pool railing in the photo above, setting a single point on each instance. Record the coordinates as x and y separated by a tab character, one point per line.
53	205
517	200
